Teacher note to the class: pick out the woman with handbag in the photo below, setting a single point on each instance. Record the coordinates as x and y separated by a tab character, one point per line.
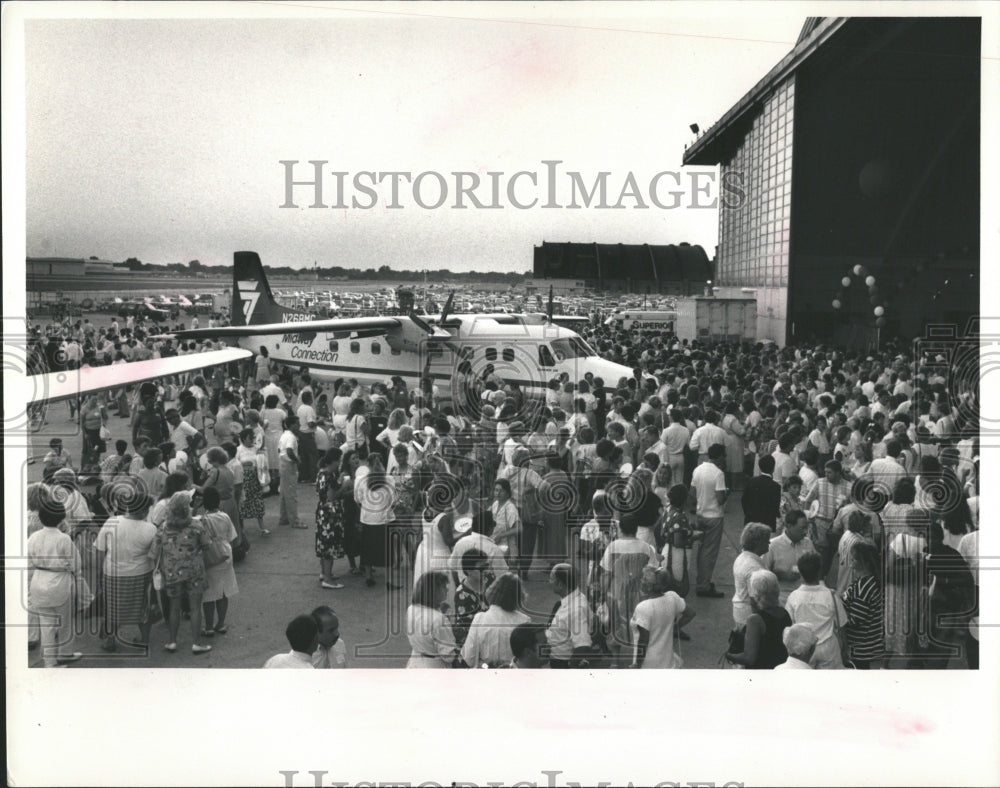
177	549
759	645
221	478
220	578
125	572
819	607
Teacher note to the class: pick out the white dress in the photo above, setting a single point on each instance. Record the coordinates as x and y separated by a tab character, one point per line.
432	552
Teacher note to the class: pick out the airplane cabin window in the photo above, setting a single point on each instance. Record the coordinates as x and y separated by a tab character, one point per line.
491	354
508	354
376	348
395	351
355	347
334	345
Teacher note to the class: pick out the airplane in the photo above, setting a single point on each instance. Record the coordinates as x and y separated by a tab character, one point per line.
526	349
529	349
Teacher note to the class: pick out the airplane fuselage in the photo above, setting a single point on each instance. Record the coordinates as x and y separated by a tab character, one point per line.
528	353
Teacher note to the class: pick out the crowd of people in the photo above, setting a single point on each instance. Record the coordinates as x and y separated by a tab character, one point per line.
858	475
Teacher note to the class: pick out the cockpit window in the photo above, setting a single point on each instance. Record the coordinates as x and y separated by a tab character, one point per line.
571	347
545	357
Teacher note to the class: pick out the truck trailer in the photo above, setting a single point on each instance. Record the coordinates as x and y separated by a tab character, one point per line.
717	319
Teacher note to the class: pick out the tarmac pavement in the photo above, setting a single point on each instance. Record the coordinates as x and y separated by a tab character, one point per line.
279	579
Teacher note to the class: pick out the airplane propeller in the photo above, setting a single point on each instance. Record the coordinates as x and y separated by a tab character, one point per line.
447	307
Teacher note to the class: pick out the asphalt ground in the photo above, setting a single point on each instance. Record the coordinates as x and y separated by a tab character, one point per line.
279	579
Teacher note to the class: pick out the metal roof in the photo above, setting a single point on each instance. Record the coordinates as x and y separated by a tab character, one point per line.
715	143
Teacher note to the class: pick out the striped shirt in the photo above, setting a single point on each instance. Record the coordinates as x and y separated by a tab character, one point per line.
830	496
864	628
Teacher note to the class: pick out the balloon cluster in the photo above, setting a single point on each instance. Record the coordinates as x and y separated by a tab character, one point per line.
879	303
876	300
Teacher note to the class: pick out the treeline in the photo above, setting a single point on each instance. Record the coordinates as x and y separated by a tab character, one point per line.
383	273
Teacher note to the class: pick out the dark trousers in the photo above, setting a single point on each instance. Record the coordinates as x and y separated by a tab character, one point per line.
558	663
309	456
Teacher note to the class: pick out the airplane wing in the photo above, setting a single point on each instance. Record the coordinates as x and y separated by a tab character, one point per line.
570	321
62	385
334	324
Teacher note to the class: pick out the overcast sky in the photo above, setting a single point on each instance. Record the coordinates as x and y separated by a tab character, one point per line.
161	139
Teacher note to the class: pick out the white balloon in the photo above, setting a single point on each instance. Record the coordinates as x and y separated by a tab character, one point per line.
879	311
836	303
846	281
869	280
857	270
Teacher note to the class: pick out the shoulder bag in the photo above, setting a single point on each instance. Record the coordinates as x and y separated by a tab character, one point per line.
157	573
217	551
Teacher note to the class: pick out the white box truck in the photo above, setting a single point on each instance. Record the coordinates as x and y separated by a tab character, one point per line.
717	319
643	321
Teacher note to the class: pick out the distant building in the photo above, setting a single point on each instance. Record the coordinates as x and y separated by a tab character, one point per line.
70	266
54	266
637	268
859	148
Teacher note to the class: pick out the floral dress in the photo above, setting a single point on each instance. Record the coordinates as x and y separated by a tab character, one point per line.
329	516
252	501
181	559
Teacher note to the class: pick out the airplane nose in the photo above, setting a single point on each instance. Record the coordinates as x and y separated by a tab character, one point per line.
611	372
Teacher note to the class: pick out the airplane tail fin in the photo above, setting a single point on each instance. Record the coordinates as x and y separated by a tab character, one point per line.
253	302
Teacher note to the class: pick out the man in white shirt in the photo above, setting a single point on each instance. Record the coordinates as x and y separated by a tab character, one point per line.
709	484
786	549
182	433
307	437
887	470
800	643
288	474
784	465
275	389
568	633
330	653
707	435
675	438
302	635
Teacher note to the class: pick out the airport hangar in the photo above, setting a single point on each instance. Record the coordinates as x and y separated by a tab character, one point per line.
859	153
